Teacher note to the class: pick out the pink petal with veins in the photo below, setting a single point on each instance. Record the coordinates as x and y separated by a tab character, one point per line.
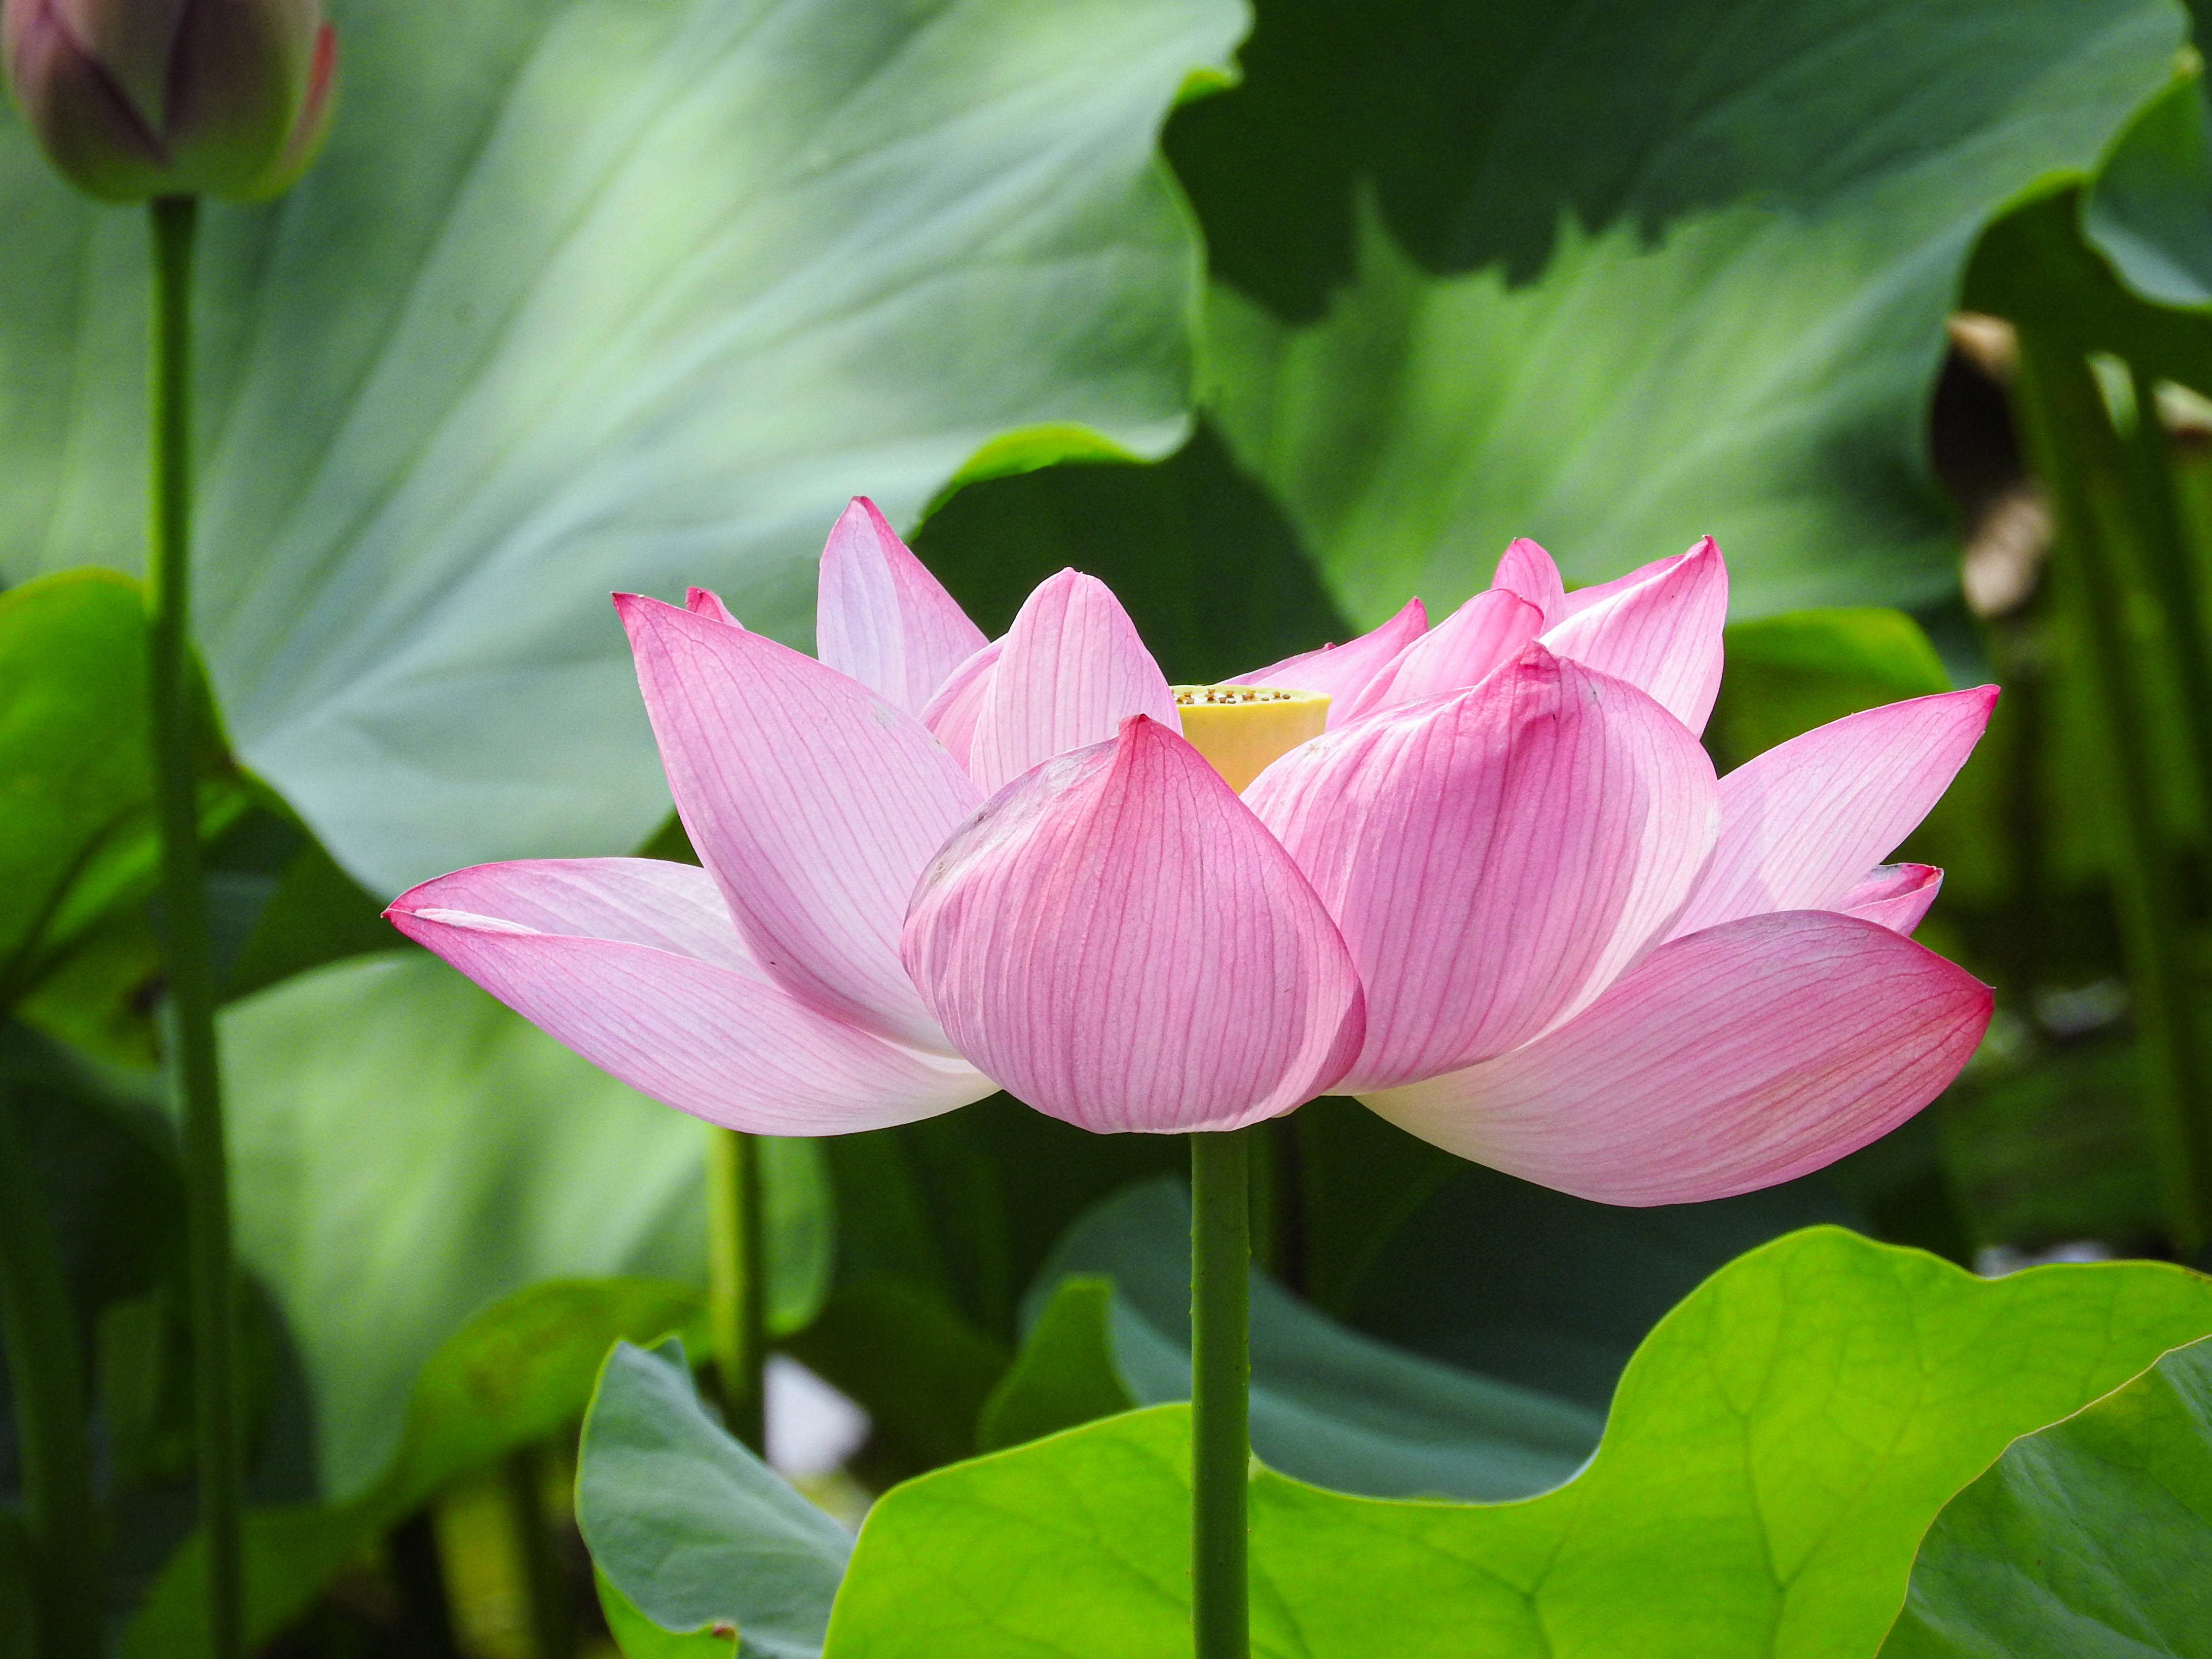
1748	1054
1658	628
1800	824
1475	641
1493	859
635	965
1340	673
813	801
1525	568
1070	671
881	617
1897	895
1119	942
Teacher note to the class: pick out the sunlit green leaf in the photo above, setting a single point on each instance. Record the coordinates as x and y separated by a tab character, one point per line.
689	1526
406	1152
1615	275
593	294
2089	1540
1775	1450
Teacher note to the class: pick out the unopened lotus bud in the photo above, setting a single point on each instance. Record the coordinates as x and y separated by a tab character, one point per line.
139	97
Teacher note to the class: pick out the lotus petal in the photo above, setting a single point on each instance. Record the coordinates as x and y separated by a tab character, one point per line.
1121	944
1735	1059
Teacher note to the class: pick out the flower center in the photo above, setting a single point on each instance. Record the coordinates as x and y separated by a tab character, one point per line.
1240	728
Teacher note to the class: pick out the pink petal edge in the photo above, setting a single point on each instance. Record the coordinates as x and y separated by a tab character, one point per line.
1735	1058
1340	673
881	617
708	1034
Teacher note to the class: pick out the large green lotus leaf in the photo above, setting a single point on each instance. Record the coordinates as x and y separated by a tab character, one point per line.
594	295
1328	1405
406	1151
2149	208
76	769
691	1529
2089	1540
1615	275
1777	1449
518	1373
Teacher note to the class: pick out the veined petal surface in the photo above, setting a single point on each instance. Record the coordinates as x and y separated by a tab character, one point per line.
1493	859
1071	669
1800	824
1895	894
1121	944
881	617
951	714
1462	650
1340	673
813	801
1735	1059
1527	570
1658	628
635	965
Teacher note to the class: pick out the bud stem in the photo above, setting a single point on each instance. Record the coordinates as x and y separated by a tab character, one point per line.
1221	1374
187	942
737	1281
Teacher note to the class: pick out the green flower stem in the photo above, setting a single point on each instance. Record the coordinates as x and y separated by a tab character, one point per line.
187	942
2102	537
552	1633
737	1281
43	1370
2169	571
1221	1375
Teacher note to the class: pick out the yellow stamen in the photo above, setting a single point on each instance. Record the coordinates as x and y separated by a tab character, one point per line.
1240	728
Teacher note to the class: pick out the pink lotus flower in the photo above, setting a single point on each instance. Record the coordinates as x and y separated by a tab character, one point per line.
1502	898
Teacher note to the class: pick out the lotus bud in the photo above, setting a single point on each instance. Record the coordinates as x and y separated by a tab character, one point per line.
139	98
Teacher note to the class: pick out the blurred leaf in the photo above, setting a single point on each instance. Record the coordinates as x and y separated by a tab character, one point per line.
1210	571
2090	1538
406	1151
593	295
1615	275
1516	1281
2149	210
1065	1374
2056	1149
1777	1450
75	773
18	1598
689	1526
920	1370
1328	1405
1786	674
941	1224
519	1372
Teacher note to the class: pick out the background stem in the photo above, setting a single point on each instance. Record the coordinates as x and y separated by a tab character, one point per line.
48	1380
187	946
737	1281
552	1634
1221	1370
2097	489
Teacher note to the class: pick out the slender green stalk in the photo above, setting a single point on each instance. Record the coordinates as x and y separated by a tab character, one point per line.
1221	1375
48	1382
2080	459
552	1632
187	944
737	1281
2169	576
